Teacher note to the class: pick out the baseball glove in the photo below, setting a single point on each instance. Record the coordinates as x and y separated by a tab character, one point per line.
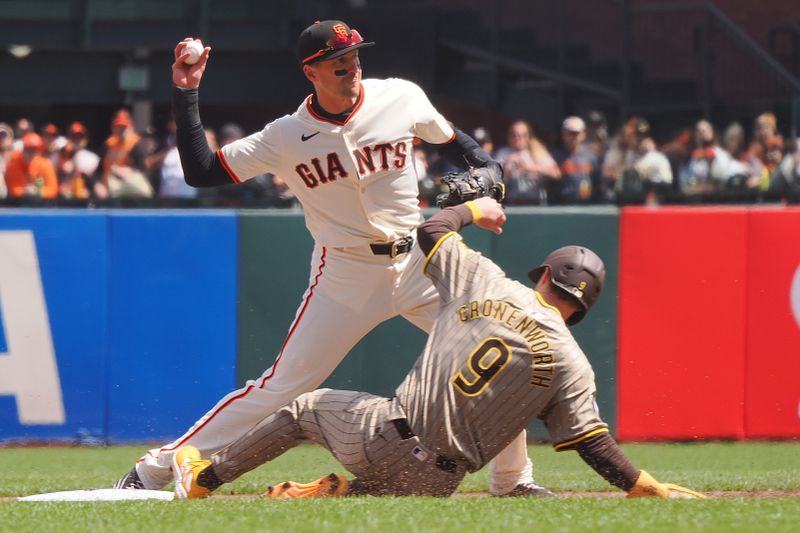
470	185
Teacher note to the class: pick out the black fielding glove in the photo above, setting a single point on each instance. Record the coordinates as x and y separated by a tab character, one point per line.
470	185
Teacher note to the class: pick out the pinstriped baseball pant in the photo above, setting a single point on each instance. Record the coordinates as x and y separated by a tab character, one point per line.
356	428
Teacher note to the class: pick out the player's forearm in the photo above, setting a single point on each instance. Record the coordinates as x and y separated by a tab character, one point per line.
604	455
201	167
443	222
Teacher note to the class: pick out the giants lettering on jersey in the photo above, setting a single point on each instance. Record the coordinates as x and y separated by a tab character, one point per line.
369	159
543	359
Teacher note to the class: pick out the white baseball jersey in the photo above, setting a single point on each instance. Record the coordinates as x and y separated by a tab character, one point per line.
356	179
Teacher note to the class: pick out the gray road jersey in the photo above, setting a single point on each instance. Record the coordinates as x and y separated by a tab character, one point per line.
497	358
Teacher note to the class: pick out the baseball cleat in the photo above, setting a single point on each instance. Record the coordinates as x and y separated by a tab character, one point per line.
325	487
186	466
129	481
529	489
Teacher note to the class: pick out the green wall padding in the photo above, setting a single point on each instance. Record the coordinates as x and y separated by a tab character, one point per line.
275	249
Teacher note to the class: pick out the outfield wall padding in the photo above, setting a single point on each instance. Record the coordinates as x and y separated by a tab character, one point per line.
709	323
772	367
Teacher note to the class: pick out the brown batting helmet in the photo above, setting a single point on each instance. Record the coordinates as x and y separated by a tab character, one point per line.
579	272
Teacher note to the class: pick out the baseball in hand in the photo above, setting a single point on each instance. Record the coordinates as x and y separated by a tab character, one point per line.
194	48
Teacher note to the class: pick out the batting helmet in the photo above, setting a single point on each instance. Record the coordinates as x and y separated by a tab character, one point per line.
579	272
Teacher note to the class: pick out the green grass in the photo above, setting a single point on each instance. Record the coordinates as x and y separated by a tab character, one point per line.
712	466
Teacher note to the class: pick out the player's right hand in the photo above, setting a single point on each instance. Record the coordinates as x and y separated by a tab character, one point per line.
491	215
188	76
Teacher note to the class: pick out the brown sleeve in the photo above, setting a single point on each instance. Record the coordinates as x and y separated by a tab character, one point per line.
447	220
604	455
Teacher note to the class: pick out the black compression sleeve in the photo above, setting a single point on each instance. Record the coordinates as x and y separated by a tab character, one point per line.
446	220
464	151
604	455
201	167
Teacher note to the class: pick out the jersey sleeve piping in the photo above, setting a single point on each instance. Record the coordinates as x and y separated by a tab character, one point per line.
436	247
227	167
563	446
544	303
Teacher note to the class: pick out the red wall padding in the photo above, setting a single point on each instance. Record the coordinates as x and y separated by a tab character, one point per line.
772	369
682	329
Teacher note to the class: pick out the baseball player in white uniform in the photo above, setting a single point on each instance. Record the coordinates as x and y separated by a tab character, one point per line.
346	154
499	355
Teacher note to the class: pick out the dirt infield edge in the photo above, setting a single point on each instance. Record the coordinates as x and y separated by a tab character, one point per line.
723	494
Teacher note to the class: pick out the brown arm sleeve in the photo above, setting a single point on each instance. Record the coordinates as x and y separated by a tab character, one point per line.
604	455
447	220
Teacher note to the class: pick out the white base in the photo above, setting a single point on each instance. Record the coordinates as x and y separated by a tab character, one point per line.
99	495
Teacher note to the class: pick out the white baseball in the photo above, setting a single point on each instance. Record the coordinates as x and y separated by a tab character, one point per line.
195	48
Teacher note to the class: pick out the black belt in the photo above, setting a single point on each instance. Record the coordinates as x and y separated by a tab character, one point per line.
393	249
404	430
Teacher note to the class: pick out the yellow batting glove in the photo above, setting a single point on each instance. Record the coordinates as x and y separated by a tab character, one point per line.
647	487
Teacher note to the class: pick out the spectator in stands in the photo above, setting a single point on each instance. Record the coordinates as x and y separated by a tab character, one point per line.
733	141
597	134
578	166
123	173
526	166
484	138
785	181
53	142
71	183
6	147
742	166
30	175
678	151
710	166
765	151
22	126
651	169
86	161
621	156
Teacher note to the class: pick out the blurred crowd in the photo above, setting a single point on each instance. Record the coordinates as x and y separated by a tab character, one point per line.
55	166
590	166
50	166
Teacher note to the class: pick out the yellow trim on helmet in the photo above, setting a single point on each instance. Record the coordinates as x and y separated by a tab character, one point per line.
436	247
563	445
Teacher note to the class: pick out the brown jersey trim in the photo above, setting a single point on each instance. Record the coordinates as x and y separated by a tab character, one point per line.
227	167
563	446
319	117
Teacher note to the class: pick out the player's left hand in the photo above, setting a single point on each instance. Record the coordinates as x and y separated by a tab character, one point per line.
490	215
647	486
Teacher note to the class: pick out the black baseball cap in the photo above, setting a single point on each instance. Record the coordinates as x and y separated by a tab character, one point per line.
327	39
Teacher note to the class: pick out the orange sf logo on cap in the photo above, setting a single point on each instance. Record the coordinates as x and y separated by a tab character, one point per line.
340	31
